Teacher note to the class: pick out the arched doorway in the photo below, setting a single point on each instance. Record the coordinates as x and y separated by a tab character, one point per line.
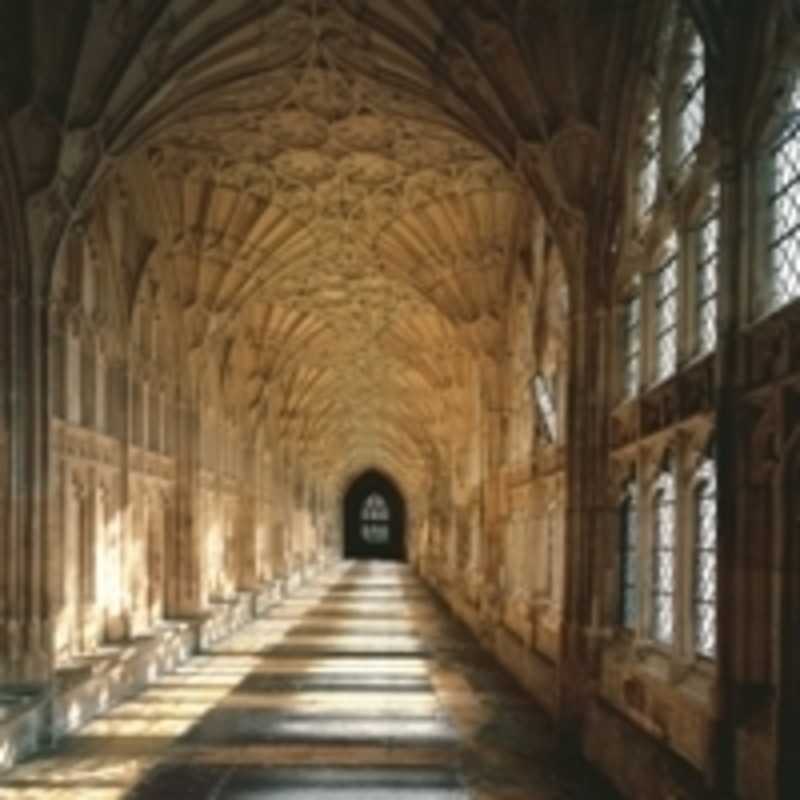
374	519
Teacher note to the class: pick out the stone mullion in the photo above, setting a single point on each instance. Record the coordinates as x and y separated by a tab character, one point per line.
172	543
123	404
278	533
35	358
493	553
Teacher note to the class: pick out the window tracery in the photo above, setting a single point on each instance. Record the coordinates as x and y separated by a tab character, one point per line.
672	131
375	518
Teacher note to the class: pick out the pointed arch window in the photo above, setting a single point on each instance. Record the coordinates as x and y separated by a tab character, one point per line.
692	110
704	605
375	519
629	557
784	208
666	312
664	555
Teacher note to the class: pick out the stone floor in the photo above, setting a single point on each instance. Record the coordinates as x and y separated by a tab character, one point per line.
361	687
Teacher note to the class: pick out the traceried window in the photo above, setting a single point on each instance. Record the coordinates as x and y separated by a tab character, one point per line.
666	312
692	109
650	162
705	560
632	344
664	558
784	208
706	276
629	557
546	415
375	518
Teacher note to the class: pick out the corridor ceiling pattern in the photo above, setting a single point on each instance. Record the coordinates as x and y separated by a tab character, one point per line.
329	192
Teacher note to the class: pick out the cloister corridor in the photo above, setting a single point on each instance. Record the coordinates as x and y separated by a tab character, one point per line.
400	399
359	685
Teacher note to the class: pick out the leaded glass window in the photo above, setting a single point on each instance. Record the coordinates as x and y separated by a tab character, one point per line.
375	519
544	391
651	157
666	307
706	277
629	557
705	561
664	558
784	208
691	114
632	345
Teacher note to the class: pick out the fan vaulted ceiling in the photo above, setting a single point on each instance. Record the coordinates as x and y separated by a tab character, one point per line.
327	190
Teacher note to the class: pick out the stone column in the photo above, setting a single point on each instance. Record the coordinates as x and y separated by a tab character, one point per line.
590	515
25	591
584	205
750	573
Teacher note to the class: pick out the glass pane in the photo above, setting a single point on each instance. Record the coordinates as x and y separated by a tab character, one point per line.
375	508
545	404
705	561
785	210
664	619
693	103
632	346
667	313
664	559
706	277
375	534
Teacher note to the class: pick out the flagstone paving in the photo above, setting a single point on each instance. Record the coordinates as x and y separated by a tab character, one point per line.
361	686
